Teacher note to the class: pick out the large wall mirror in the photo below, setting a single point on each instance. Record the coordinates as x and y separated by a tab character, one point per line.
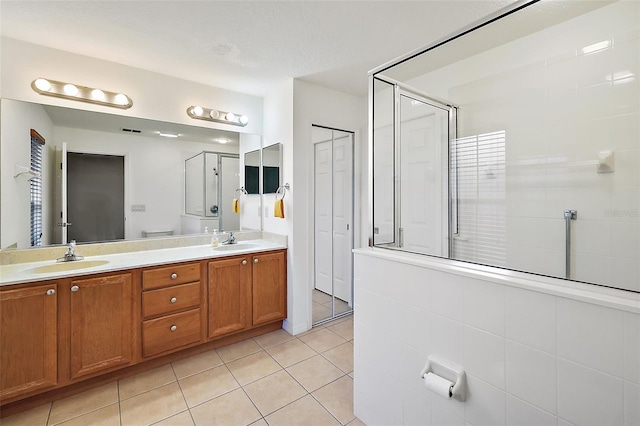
148	159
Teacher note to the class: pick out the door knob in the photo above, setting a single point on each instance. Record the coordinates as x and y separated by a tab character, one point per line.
174	299
244	262
174	276
75	288
173	328
255	260
51	292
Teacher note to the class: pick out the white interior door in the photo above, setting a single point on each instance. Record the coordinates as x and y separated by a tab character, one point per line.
323	233
333	230
422	145
342	216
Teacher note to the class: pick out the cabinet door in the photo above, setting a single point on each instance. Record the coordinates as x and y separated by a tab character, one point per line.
269	288
28	349
101	324
229	295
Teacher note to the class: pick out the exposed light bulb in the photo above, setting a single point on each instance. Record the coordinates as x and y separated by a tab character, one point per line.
121	99
70	90
97	94
215	114
244	119
43	84
230	116
196	110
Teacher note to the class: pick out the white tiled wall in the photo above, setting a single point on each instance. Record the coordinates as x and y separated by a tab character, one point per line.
531	358
559	107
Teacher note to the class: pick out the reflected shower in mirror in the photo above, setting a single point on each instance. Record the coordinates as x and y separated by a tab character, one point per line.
155	183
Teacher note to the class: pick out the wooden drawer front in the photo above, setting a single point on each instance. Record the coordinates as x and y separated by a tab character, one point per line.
171	275
170	299
158	336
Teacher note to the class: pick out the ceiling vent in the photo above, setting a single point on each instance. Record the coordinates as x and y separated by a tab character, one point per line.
131	130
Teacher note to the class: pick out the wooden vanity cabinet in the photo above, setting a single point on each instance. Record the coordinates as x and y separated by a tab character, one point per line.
101	324
246	291
172	310
269	287
28	340
229	295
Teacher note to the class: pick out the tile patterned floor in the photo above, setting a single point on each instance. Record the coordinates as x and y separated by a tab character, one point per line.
275	379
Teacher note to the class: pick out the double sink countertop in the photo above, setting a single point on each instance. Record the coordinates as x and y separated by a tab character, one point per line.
19	273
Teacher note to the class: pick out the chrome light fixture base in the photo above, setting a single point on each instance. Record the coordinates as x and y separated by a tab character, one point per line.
217	116
92	95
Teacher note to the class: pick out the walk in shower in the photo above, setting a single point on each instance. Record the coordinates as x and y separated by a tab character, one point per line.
516	147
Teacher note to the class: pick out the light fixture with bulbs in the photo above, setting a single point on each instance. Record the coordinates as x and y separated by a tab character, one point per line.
74	92
217	116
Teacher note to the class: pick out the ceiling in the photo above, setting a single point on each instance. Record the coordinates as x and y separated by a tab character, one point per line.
244	46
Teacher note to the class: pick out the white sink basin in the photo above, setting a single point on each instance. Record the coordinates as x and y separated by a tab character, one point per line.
69	266
237	246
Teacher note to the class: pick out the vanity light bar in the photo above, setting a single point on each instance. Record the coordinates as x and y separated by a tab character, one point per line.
60	89
218	116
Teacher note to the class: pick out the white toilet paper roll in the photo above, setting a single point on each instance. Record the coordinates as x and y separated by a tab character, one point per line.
438	384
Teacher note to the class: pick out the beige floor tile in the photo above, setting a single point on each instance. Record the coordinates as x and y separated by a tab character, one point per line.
337	398
313	329
83	403
323	340
234	408
238	350
274	392
152	406
291	352
356	422
304	412
341	356
107	416
180	419
143	382
342	307
35	417
315	372
253	367
260	422
273	338
196	364
207	385
343	329
319	312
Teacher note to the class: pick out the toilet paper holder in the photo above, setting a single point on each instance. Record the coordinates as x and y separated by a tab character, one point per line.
450	371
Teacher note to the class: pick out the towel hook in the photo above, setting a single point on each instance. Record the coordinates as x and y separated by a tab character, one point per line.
241	189
282	190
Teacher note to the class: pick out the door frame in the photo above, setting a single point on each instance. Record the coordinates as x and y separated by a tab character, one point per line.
353	227
127	178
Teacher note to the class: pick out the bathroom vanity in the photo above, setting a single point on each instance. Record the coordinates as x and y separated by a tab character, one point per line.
66	330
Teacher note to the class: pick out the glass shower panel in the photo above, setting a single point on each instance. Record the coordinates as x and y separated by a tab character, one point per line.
383	164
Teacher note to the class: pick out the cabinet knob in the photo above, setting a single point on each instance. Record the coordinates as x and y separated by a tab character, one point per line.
174	299
75	288
51	292
255	260
174	276
173	328
244	262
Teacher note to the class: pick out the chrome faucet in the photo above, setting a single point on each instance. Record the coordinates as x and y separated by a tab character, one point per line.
231	239
70	255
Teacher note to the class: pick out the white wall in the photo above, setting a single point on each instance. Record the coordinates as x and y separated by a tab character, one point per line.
531	357
558	108
15	148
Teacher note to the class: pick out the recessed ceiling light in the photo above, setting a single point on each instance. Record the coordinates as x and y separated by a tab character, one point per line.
222	140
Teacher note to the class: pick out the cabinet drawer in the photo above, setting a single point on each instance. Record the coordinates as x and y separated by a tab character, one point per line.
171	275
170	299
170	332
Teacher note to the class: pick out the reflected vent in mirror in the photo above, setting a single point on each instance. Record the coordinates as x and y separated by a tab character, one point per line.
131	130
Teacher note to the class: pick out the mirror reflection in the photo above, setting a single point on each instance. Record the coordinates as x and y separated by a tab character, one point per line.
107	177
252	172
271	167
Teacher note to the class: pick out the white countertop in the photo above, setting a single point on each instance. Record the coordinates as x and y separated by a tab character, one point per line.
26	272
